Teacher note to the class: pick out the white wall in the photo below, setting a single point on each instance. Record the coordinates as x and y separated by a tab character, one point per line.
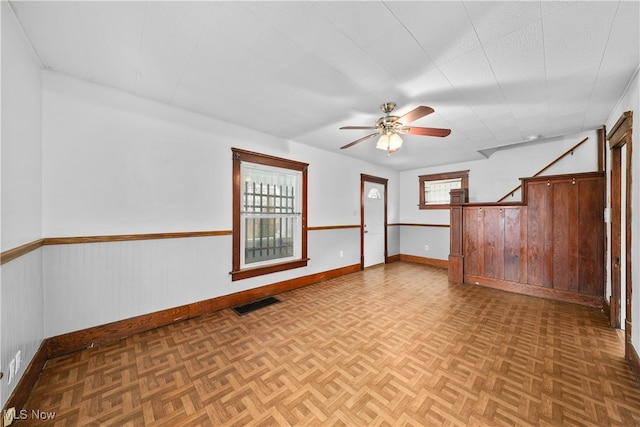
21	292
115	163
631	102
21	136
489	180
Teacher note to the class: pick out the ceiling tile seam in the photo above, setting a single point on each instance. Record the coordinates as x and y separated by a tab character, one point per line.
470	107
136	73
544	62
195	47
444	75
604	51
84	39
26	36
399	21
278	64
410	33
269	58
356	82
437	67
493	73
510	33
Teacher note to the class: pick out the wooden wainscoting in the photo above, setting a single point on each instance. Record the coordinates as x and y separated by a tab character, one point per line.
550	245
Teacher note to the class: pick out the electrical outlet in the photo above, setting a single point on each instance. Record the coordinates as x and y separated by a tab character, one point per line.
426	248
341	254
18	361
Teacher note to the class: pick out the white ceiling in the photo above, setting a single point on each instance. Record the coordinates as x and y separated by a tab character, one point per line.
495	72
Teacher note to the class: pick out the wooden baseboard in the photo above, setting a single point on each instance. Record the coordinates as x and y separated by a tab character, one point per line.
393	258
631	355
28	380
442	263
77	340
536	291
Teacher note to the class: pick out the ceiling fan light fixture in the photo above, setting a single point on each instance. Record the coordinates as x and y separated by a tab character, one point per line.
395	142
383	142
389	142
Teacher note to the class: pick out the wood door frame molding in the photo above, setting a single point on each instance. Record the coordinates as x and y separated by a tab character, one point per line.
378	180
621	136
616	236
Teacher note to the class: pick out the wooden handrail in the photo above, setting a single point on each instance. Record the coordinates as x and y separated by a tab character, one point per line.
570	150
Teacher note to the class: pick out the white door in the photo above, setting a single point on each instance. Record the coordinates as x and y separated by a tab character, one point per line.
374	231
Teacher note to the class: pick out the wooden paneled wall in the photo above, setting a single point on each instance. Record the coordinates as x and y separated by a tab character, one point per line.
550	245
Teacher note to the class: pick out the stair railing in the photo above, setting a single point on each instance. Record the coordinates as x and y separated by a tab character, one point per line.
566	153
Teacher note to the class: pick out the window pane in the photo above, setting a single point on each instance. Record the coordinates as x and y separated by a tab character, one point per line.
435	189
270	211
437	192
268	238
267	190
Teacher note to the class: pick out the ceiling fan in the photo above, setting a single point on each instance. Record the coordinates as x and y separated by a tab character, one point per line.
390	127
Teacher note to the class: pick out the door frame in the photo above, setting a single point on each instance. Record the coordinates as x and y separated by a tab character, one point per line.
619	137
378	180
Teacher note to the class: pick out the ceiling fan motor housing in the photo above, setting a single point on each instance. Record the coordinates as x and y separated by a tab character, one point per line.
388	107
387	123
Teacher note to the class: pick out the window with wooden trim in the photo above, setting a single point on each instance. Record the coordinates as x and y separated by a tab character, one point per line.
435	188
269	214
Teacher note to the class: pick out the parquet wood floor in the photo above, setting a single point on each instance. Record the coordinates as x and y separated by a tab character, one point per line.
393	345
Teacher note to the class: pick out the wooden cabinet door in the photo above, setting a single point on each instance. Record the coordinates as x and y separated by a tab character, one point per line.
591	194
473	242
578	235
515	244
540	234
566	228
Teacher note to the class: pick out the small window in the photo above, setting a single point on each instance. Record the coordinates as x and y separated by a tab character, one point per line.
374	193
434	189
269	215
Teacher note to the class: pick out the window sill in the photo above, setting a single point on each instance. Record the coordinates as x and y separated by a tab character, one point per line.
267	269
434	206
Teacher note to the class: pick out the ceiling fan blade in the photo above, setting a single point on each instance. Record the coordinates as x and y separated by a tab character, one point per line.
415	114
364	138
412	130
358	127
